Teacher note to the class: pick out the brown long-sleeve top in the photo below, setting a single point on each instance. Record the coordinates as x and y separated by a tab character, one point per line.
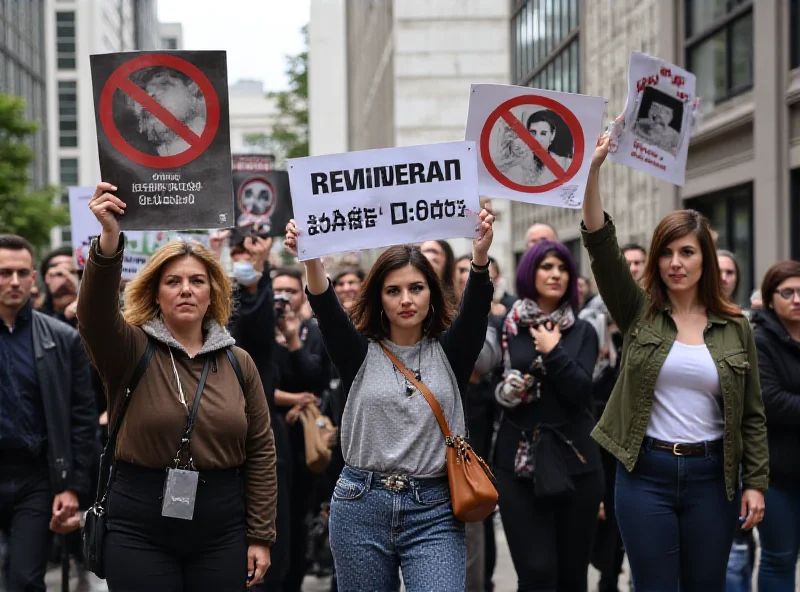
230	430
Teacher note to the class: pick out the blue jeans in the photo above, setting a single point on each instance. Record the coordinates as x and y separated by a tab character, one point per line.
380	526
780	539
739	576
676	521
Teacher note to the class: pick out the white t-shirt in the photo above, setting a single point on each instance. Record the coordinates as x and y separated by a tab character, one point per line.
687	402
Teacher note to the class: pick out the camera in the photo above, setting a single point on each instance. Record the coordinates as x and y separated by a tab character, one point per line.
281	302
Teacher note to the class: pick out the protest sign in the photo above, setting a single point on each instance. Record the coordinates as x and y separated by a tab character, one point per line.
139	246
534	145
261	195
378	198
657	118
163	139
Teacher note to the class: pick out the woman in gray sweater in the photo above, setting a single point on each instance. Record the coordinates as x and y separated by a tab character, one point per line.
391	505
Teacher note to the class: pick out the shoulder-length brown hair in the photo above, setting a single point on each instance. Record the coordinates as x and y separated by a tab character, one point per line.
141	291
367	308
709	290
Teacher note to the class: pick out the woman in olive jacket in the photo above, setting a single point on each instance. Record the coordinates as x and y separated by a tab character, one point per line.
686	410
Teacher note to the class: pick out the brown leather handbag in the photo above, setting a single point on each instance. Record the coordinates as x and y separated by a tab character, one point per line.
318	433
472	489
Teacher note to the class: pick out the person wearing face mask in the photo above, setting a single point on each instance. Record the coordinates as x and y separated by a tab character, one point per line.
686	411
777	335
549	512
192	500
391	507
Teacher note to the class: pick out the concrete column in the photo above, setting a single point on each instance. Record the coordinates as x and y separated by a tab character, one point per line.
669	43
770	142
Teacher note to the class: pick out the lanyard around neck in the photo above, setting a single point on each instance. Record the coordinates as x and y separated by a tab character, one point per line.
187	432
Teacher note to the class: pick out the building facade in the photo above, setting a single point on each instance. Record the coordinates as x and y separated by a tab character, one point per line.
744	157
170	36
253	115
23	71
386	73
76	29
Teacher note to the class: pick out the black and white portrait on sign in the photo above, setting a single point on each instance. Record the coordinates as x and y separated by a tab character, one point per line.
659	119
163	137
175	92
513	155
257	197
263	198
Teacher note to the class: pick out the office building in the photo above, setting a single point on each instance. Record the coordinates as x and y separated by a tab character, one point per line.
23	71
170	35
743	168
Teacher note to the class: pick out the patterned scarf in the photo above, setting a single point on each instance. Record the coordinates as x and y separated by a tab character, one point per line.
526	313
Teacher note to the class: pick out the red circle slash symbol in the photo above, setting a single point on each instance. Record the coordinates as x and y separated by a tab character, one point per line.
119	80
504	112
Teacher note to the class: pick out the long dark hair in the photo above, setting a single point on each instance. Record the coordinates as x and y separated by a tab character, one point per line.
709	291
367	308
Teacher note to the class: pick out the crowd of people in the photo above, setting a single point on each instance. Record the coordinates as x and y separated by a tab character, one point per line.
654	419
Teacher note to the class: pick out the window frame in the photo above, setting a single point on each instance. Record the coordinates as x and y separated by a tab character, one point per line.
62	117
735	10
65	58
545	26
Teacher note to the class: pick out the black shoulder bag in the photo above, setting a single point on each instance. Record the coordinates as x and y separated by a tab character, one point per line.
94	530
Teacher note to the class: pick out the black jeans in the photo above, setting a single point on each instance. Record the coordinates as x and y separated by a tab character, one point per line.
609	553
550	540
145	551
26	506
676	520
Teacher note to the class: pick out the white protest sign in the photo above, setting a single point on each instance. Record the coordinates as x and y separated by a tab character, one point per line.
657	118
139	245
377	198
534	145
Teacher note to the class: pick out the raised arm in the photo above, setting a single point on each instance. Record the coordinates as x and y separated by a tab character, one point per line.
111	343
463	341
623	298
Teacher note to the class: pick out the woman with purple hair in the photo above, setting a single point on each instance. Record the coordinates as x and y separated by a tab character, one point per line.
548	469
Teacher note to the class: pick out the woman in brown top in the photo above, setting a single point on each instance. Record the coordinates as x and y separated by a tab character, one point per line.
216	533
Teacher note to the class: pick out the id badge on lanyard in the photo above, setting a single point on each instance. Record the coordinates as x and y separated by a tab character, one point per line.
180	485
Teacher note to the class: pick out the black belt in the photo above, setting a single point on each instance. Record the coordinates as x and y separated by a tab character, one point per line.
683	448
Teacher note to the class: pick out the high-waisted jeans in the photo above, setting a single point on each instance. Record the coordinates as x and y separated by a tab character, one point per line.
676	521
380	526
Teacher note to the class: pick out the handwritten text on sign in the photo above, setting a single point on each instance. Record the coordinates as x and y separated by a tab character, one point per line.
377	198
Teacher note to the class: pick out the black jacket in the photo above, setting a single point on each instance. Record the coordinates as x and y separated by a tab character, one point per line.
779	368
62	367
567	402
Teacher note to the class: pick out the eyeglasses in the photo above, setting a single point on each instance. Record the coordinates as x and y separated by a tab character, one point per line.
788	293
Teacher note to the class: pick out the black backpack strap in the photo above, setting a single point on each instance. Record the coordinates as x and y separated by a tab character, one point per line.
236	367
105	460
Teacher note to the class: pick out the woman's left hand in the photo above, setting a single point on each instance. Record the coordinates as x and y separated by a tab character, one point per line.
752	508
258	561
480	246
545	339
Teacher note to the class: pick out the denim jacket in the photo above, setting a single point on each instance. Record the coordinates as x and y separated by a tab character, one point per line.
646	343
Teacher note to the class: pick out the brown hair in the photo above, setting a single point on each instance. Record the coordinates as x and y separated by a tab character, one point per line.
141	291
709	291
367	307
775	276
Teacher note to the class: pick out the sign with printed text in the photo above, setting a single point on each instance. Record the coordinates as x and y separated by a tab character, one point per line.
139	246
657	119
163	137
378	198
534	146
261	194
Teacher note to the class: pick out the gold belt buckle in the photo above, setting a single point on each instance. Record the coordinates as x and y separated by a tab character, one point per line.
396	482
676	450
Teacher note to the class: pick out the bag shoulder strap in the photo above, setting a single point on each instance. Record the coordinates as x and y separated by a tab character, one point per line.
237	368
105	460
426	392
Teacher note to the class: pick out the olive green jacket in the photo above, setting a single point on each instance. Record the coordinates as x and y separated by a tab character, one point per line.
645	345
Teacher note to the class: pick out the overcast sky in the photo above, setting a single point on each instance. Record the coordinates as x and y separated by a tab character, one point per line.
257	34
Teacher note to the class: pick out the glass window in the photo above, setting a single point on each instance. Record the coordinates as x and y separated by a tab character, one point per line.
719	47
68	171
68	113
795	209
65	40
794	28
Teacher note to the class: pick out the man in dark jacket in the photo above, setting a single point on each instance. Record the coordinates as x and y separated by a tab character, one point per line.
47	420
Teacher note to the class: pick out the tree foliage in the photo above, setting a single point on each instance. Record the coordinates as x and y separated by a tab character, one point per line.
28	213
290	132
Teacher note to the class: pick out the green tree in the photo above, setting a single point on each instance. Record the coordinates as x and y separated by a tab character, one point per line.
28	213
290	132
